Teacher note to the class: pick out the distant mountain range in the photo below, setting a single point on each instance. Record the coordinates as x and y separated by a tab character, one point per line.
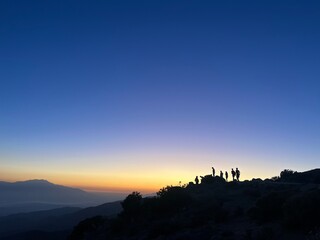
37	195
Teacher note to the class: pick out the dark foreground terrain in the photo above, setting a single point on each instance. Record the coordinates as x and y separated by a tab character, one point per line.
285	207
54	224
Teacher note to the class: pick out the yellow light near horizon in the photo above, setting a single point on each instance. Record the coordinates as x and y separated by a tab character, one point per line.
114	183
144	181
138	174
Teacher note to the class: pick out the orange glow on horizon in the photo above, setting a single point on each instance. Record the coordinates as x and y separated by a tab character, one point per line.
124	184
137	175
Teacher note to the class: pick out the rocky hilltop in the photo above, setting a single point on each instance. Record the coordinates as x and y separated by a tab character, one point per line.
284	207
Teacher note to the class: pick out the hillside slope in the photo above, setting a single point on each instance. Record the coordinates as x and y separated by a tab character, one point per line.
57	220
215	209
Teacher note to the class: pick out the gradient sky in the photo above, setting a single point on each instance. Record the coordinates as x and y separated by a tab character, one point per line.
134	95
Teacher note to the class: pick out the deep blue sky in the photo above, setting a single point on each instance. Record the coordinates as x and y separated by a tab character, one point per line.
101	83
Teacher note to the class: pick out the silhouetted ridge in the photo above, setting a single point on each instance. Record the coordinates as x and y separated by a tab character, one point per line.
35	181
50	221
312	176
216	209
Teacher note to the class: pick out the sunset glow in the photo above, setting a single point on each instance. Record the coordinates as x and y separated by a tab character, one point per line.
110	96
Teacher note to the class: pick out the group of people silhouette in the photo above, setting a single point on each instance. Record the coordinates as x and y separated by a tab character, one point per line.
235	175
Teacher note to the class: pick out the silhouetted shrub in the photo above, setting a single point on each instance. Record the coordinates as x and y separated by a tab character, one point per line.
302	212
85	226
275	178
256	180
131	204
173	198
312	176
190	184
287	174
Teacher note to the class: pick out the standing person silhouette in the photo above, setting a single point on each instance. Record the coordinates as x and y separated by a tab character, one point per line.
237	174
233	174
213	172
221	174
196	180
227	175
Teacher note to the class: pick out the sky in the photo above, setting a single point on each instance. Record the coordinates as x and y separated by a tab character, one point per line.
136	95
